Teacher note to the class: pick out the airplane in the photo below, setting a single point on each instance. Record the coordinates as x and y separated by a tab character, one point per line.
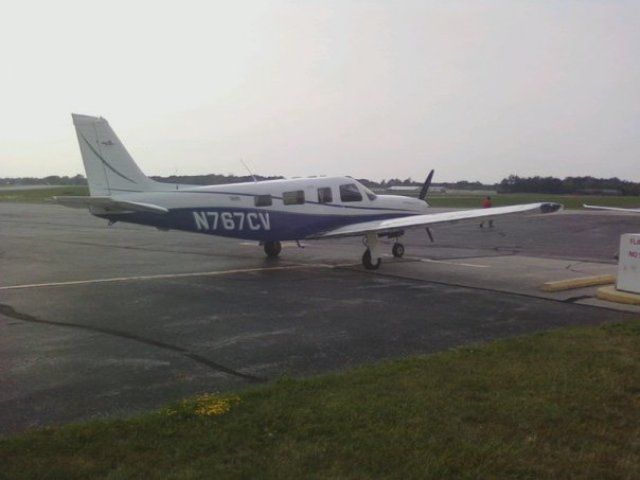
612	209
268	212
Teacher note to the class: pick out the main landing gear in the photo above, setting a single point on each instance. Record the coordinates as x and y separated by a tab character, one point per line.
272	249
371	258
368	262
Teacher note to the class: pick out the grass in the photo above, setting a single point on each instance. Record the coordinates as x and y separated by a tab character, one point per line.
39	195
564	404
461	201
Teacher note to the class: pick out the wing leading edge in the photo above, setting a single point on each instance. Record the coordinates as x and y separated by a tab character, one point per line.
109	204
416	221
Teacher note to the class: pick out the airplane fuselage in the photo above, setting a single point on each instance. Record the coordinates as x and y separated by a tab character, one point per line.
268	212
273	210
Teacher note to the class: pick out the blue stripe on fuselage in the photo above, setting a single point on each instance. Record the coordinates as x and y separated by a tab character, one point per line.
246	223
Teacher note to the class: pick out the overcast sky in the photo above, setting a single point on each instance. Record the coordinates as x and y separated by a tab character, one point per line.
376	89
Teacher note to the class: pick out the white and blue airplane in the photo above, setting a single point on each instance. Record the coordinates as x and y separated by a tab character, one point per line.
268	212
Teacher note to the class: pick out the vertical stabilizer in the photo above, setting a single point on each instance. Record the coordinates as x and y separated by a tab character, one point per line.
109	167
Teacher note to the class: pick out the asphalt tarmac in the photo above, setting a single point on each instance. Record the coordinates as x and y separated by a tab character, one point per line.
101	321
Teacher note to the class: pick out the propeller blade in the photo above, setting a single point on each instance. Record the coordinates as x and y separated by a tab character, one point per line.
425	187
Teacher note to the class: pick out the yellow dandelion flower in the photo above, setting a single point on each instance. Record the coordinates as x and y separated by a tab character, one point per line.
212	405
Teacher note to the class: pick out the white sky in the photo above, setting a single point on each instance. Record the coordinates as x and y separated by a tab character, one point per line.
477	90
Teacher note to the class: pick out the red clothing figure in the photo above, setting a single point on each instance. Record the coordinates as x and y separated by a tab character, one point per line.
486	203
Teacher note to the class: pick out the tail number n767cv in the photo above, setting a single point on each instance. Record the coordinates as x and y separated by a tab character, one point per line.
232	220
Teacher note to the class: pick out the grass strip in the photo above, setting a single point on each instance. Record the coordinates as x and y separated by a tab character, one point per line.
564	404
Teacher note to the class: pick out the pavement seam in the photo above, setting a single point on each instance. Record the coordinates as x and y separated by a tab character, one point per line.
162	276
9	311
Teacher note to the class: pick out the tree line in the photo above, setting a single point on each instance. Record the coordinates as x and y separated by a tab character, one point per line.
50	180
511	184
575	185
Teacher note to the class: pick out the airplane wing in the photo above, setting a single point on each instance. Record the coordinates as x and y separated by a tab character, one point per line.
614	209
427	220
109	204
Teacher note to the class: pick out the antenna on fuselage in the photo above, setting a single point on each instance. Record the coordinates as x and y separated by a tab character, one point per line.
249	170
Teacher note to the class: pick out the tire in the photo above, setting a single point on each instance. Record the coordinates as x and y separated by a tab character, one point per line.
398	250
366	261
272	249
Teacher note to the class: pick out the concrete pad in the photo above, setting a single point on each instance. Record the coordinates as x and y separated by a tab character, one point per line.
512	273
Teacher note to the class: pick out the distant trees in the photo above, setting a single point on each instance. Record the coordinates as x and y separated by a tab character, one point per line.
50	180
396	182
511	184
576	185
211	179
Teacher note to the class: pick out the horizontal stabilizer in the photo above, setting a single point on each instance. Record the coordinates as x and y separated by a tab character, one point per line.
109	204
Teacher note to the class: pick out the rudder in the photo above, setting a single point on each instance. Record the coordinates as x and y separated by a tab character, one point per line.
109	167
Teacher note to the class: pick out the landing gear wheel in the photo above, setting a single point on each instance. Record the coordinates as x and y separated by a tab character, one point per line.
398	250
366	261
272	249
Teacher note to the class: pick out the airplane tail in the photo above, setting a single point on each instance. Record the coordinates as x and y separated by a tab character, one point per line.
109	167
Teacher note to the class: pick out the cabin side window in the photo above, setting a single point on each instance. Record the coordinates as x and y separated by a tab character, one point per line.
350	193
293	198
325	195
262	200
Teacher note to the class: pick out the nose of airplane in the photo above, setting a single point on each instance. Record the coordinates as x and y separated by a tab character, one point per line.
419	206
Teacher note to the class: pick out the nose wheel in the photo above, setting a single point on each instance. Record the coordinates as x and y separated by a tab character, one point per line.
272	249
397	250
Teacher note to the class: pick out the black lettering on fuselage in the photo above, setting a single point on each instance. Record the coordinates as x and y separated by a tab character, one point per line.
231	221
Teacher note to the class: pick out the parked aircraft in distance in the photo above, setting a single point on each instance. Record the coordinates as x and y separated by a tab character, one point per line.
268	212
612	209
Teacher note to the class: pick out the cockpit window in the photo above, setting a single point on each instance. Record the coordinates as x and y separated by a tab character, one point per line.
350	193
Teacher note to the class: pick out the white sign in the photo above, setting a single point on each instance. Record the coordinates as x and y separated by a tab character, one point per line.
629	263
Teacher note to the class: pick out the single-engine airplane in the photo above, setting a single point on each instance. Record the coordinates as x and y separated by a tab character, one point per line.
268	212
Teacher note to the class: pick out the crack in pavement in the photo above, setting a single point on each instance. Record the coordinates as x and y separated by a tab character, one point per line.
9	311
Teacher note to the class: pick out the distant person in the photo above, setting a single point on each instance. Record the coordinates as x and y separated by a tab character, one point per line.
486	203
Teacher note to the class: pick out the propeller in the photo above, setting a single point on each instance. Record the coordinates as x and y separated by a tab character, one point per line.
425	187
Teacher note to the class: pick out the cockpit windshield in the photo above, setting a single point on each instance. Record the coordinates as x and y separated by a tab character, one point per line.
372	196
